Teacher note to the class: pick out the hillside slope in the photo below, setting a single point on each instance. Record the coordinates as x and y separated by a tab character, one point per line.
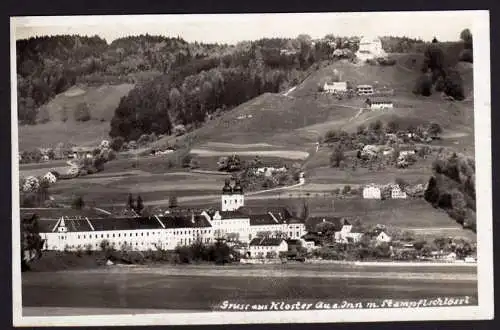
101	101
298	118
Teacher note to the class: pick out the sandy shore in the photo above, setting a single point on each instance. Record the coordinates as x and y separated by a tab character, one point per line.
350	271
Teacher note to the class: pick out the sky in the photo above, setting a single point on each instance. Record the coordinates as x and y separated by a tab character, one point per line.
232	28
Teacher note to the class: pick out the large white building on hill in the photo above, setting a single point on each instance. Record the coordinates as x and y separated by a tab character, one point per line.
370	48
171	230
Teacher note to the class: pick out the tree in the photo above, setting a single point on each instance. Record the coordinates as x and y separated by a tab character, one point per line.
346	190
78	203
31	242
423	86
435	129
140	205
392	126
466	37
82	112
337	157
172	202
130	202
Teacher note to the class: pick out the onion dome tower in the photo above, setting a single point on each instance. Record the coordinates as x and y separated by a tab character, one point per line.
227	189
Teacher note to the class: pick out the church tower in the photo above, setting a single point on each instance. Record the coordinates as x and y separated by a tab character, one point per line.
232	197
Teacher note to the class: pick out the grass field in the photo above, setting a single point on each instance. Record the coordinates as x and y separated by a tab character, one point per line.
157	289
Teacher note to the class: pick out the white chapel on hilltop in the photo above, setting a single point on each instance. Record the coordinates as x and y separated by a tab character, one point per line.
370	48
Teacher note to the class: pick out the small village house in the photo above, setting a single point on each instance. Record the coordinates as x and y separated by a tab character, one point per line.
345	235
372	192
397	192
50	177
364	90
382	237
379	104
263	247
335	87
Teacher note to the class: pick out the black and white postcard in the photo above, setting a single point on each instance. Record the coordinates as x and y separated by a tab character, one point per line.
251	168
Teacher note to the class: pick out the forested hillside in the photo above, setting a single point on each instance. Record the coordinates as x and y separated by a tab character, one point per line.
192	93
47	66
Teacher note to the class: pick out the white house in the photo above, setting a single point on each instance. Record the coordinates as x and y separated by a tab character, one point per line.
364	90
50	177
372	192
397	192
346	236
262	247
382	237
104	144
370	48
378	104
335	87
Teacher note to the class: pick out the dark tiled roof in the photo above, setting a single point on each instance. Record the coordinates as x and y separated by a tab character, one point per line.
278	211
57	213
262	219
184	221
312	222
232	214
125	223
293	241
265	242
46	226
78	224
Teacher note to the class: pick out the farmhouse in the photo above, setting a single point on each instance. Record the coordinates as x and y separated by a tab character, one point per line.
264	247
335	87
372	192
378	104
364	90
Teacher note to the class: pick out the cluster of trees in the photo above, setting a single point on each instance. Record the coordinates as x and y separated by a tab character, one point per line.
402	44
219	253
438	72
452	187
31	242
136	205
376	133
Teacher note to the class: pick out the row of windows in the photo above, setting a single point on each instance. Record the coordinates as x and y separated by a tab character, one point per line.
180	232
182	242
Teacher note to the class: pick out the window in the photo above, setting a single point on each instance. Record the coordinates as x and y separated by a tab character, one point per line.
136	234
147	234
119	235
78	236
142	234
113	235
102	235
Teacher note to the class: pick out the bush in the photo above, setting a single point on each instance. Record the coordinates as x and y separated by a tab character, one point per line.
423	86
82	112
117	143
466	55
78	203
